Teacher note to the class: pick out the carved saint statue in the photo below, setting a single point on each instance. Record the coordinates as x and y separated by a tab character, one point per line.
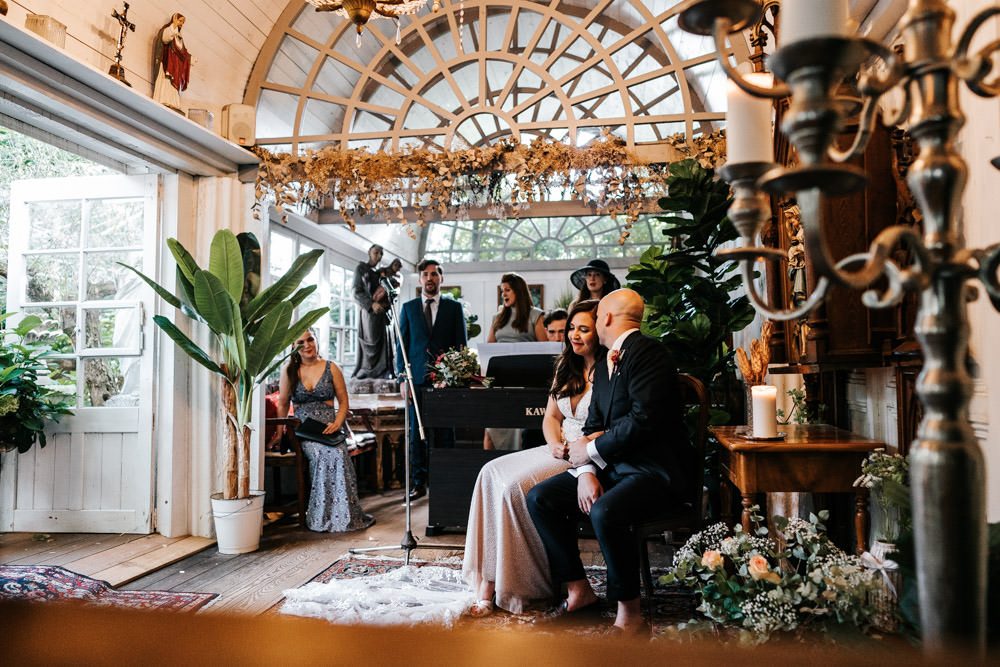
171	64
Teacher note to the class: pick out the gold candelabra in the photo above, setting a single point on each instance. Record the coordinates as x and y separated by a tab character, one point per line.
816	55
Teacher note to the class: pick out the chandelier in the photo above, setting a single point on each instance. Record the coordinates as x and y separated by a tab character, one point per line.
359	11
817	51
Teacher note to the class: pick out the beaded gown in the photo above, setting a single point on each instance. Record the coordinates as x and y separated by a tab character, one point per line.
501	543
333	502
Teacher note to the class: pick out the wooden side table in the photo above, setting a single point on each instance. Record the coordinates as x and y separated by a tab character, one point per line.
383	415
813	458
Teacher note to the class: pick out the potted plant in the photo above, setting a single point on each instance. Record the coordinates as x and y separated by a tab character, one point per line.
253	334
26	404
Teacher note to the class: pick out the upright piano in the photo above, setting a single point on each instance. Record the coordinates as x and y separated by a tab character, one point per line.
453	472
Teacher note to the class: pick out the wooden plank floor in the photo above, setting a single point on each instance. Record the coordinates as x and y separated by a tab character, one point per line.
246	583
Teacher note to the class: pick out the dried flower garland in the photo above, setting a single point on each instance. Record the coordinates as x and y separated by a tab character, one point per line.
505	177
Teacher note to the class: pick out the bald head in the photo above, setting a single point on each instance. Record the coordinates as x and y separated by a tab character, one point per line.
618	312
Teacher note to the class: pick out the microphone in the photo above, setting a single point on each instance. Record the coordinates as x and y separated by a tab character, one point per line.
391	291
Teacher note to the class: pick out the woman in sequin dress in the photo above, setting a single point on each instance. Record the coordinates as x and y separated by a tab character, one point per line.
317	389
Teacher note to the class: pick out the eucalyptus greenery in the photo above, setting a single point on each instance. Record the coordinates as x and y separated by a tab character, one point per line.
26	402
253	330
689	293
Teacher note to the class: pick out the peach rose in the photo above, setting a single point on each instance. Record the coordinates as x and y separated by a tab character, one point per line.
712	560
759	570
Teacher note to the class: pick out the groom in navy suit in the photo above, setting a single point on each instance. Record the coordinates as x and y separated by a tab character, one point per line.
428	326
634	438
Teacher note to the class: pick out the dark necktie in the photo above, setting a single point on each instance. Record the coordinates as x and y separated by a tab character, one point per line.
428	316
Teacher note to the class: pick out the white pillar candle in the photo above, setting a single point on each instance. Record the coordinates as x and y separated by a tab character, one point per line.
748	122
765	410
803	19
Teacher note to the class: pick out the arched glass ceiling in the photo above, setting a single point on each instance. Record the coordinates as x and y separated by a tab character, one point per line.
562	70
538	239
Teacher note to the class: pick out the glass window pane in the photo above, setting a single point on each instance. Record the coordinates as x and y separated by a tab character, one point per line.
350	348
334	343
280	254
105	382
52	277
336	281
54	225
62	376
111	327
106	279
115	223
58	328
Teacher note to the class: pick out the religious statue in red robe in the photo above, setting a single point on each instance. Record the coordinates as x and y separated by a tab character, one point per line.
171	64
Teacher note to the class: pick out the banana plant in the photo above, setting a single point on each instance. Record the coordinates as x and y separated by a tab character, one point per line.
252	329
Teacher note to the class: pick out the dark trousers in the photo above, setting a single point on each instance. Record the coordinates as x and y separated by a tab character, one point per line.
420	449
626	500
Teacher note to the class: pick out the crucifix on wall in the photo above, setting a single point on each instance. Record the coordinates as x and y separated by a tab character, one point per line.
117	70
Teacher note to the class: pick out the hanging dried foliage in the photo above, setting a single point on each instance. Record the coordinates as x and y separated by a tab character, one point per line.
504	177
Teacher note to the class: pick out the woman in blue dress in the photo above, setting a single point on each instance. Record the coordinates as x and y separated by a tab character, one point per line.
317	389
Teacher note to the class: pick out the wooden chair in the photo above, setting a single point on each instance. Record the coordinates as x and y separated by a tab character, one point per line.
687	516
276	461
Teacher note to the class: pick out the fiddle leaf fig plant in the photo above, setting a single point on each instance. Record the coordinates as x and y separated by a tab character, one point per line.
690	294
252	329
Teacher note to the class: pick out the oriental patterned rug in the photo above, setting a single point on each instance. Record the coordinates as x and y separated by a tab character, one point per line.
50	583
672	603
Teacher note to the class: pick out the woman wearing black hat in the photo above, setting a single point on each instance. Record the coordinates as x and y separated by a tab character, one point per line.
594	281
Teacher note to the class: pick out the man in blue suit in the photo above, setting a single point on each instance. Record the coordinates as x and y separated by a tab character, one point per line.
428	326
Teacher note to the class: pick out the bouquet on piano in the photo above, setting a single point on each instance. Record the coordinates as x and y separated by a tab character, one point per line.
457	368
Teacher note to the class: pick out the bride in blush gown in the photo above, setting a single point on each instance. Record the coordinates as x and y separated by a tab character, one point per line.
504	557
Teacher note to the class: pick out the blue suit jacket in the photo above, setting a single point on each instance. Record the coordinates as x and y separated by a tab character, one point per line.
423	346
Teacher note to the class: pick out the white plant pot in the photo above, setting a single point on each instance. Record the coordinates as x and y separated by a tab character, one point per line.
238	522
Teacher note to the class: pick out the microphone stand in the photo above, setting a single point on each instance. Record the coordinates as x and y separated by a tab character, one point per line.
408	543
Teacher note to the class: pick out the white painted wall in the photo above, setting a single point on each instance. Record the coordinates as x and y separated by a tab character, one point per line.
223	36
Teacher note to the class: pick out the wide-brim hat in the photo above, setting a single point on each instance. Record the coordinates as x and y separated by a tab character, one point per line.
579	277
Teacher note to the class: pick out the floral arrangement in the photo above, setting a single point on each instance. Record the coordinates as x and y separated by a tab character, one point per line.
763	585
888	477
457	368
506	177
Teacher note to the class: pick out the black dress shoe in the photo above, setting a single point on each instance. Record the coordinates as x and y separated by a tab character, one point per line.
418	491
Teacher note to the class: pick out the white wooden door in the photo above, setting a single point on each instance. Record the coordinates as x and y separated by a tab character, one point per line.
67	236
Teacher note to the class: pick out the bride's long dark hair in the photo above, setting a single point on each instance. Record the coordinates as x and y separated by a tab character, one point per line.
569	379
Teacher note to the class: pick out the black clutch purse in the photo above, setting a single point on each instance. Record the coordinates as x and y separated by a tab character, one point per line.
312	429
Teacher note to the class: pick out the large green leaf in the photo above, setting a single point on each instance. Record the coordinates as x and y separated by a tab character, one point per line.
267	342
185	262
225	262
159	289
284	286
187	344
213	302
28	324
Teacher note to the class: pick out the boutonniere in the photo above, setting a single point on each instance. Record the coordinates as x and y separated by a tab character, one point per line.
616	356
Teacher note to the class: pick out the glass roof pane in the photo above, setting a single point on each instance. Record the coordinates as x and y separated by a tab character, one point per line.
320	116
709	82
292	62
336	78
275	114
688	46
